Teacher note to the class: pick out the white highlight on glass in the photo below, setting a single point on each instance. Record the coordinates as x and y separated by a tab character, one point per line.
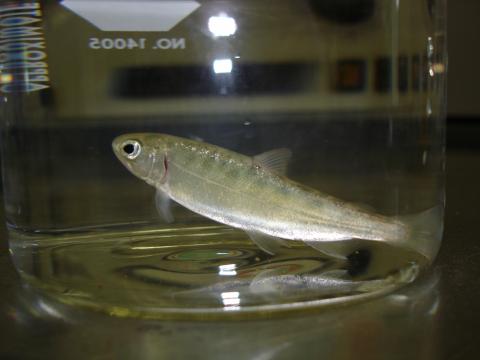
222	25
429	107
424	157
430	47
227	270
231	298
132	15
50	310
222	66
230	295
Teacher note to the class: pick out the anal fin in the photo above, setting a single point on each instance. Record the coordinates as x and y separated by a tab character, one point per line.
329	248
270	244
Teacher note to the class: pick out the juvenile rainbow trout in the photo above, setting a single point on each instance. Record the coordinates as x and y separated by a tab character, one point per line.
253	194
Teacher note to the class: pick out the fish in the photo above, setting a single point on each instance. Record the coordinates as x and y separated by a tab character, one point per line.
255	195
271	283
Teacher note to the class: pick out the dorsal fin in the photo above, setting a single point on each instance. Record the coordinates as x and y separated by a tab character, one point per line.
275	160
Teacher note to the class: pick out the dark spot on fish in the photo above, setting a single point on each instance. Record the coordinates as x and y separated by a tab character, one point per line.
128	148
358	262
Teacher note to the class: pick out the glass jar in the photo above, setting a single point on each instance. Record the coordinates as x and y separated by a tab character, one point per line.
210	157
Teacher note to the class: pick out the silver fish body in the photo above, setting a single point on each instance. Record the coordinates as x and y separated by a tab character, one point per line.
238	191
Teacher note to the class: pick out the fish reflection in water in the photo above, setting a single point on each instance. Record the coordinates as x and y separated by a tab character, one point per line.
253	194
272	283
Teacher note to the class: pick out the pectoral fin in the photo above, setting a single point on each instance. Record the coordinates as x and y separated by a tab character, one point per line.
267	243
162	202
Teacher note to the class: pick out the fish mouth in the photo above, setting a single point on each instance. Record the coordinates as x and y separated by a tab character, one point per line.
116	150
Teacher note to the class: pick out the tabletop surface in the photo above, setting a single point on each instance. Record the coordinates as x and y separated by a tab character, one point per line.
436	317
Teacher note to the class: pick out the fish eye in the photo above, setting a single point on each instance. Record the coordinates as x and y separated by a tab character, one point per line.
131	149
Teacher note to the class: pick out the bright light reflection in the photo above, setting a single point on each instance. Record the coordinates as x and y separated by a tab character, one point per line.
429	108
230	302
438	68
48	309
6	78
222	25
222	66
434	309
430	47
230	295
231	298
227	270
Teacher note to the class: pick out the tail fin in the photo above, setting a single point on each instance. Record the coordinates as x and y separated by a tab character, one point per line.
425	231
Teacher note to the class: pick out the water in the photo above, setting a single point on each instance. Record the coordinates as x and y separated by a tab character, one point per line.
364	124
102	244
203	272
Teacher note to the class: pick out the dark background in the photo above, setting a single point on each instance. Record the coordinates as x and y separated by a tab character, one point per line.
464	58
